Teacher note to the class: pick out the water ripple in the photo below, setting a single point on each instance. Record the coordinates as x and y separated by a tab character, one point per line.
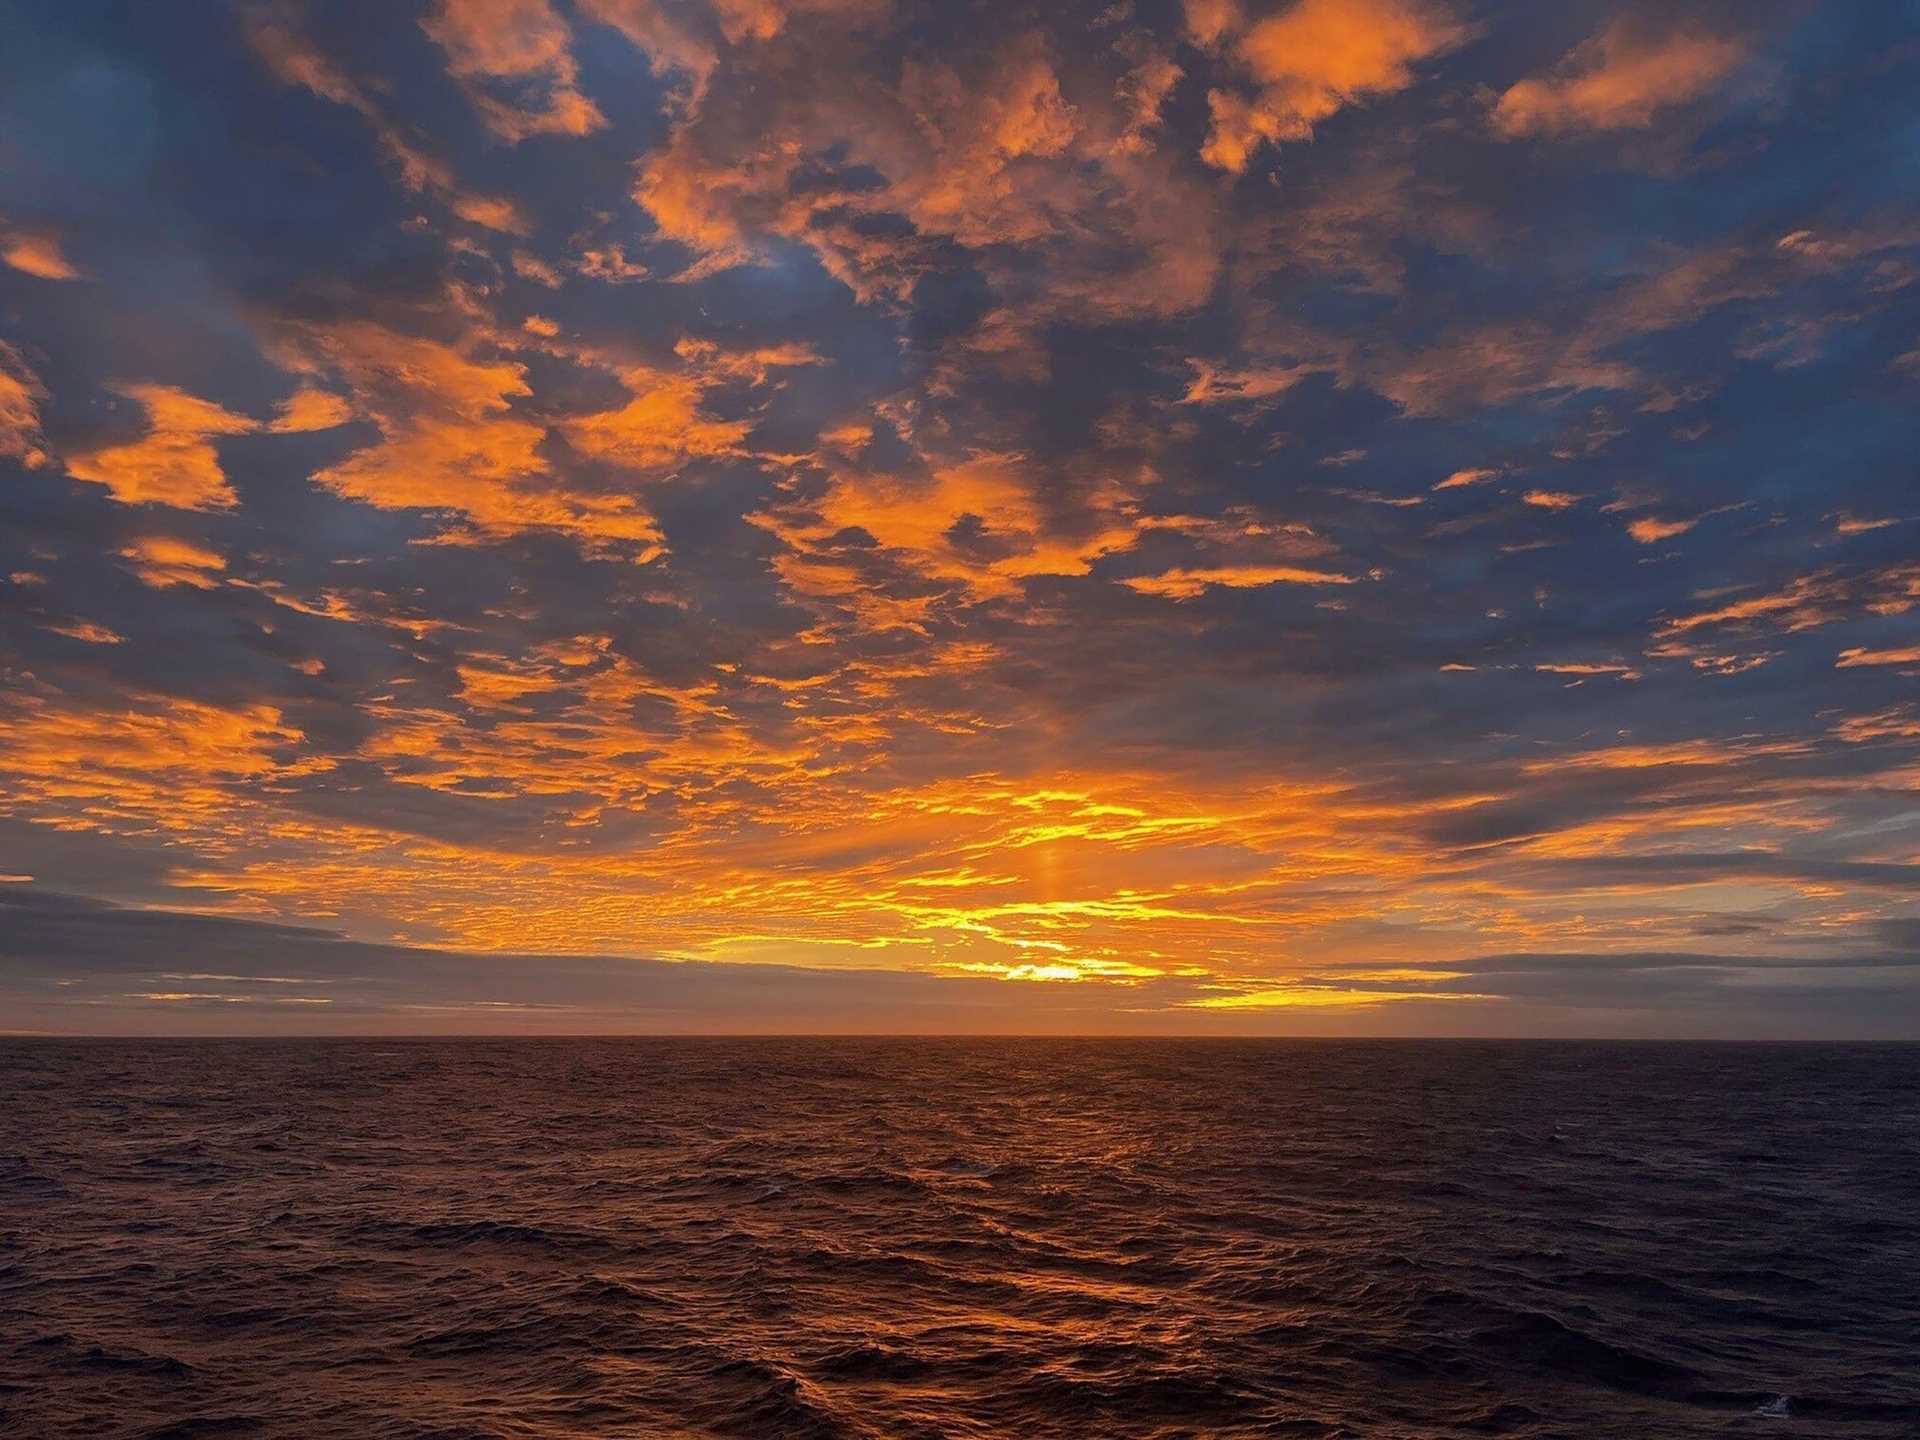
550	1240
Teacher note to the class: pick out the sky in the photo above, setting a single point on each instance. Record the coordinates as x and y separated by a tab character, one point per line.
1309	517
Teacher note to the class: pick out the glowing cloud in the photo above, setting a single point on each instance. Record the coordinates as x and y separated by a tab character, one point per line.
1857	656
1618	80
450	442
1190	584
175	462
1551	499
515	58
36	255
1651	529
161	560
20	397
1311	59
659	427
309	409
293	59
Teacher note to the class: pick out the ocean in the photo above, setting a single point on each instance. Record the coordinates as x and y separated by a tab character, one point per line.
957	1238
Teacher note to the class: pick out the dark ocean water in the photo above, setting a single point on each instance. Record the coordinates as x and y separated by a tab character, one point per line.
957	1238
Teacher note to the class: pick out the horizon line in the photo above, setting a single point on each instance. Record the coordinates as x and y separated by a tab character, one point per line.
1128	1037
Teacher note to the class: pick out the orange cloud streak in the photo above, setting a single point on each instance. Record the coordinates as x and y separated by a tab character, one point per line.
1618	80
174	463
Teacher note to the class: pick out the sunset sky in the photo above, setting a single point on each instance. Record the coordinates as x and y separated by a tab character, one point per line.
1341	516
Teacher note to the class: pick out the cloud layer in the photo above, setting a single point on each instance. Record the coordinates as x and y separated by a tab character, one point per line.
1357	515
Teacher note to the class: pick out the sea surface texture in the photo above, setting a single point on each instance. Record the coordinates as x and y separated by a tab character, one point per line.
957	1238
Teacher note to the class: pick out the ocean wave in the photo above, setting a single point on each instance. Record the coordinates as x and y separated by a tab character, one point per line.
455	1241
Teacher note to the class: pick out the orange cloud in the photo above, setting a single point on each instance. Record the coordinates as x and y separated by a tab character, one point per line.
1811	601
497	687
1551	499
675	39
753	364
1856	656
694	205
524	44
1217	385
161	560
671	42
1190	584
660	426
976	522
36	255
491	212
451	442
610	263
1846	524
1208	21
87	631
20	397
919	515
529	266
309	409
1488	364
1311	60
1586	668
1484	364
742	20
1618	80
978	138
994	157
175	463
1651	530
1146	90
1344	995
145	764
292	59
1901	722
